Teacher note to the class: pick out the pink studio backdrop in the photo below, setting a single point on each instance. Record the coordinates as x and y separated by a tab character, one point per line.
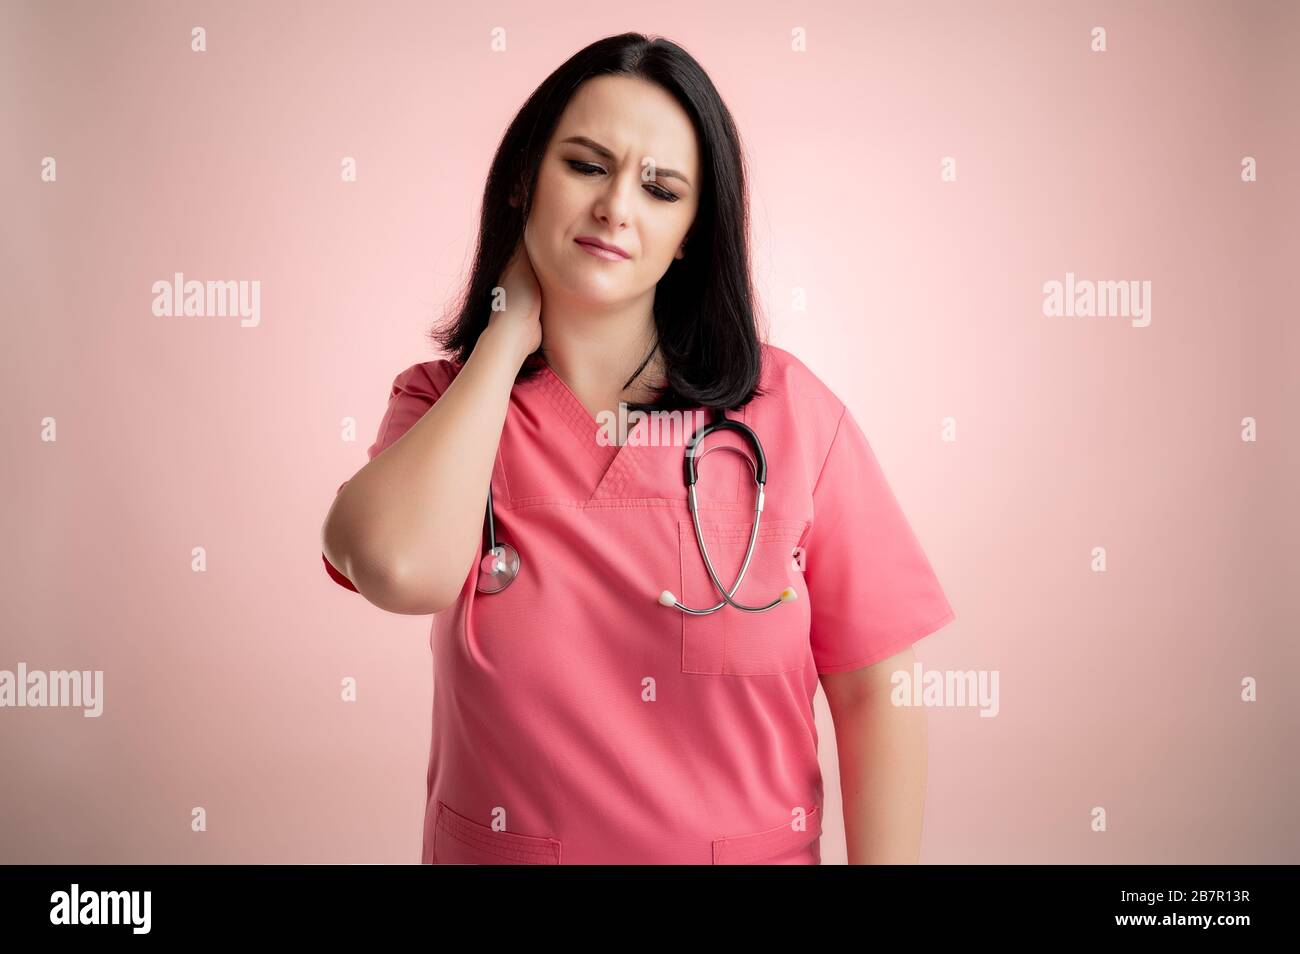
1017	442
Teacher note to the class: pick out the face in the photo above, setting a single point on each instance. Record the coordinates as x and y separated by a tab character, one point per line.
622	167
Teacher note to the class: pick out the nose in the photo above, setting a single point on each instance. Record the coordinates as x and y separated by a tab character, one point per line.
613	205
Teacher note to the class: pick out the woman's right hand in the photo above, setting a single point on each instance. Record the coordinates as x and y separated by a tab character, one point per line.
521	319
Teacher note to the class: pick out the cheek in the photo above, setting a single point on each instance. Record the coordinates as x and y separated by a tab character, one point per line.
662	244
558	195
540	235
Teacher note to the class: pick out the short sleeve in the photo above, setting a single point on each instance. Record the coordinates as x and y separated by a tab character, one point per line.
872	591
414	391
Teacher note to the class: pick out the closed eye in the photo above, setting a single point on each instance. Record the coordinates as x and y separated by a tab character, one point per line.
662	194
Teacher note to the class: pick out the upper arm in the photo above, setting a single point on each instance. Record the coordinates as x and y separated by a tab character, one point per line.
413	392
872	591
852	686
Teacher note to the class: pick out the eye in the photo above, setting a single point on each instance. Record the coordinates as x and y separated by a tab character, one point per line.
590	169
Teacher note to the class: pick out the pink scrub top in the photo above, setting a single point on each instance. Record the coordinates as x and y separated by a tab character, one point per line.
576	720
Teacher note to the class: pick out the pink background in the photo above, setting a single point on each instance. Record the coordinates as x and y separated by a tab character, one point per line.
222	689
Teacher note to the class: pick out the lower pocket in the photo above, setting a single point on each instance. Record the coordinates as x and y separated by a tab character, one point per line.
458	840
732	641
784	844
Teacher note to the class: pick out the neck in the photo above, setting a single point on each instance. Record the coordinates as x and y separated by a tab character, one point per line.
595	350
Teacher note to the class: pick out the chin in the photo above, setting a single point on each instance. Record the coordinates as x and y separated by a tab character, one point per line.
588	284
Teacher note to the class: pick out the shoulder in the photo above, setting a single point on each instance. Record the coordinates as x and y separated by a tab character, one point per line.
798	406
789	380
426	378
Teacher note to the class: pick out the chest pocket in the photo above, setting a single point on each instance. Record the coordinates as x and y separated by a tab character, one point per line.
732	641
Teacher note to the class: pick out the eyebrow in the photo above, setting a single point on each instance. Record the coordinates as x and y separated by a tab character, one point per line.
660	172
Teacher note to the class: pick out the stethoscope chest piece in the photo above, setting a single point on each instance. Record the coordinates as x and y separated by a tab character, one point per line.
499	565
498	568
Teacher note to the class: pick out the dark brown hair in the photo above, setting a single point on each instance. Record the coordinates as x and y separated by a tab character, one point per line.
703	309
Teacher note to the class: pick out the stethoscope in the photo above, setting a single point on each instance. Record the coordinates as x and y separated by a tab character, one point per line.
500	563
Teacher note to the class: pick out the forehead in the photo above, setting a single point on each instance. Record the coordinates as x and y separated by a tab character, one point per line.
633	118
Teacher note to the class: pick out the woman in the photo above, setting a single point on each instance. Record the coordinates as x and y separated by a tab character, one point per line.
580	714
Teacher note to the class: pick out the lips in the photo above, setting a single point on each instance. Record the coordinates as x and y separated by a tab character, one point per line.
601	249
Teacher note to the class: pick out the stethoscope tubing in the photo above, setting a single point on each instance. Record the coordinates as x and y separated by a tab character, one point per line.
501	563
708	562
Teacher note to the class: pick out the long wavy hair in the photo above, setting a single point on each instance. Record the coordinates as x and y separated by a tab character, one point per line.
704	304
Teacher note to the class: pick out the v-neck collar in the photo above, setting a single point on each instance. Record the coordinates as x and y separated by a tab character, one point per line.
618	464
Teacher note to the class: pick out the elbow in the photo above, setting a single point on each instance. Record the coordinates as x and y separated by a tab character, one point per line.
391	585
399	590
386	586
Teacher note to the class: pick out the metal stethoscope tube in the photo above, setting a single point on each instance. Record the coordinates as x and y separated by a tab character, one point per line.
759	470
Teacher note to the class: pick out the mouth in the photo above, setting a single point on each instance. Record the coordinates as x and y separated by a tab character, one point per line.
611	253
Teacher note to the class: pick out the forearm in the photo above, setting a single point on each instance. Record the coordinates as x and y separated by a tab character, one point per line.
882	755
